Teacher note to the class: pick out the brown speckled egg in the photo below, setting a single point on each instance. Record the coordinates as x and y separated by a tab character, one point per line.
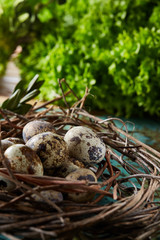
85	145
50	147
35	127
82	174
5	143
23	159
65	169
51	195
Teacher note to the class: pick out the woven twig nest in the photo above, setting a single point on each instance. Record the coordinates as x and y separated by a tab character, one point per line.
126	204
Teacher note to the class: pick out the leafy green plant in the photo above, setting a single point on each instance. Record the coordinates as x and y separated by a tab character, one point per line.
20	25
137	75
110	46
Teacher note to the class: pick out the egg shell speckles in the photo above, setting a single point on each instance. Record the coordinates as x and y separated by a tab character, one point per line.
67	168
5	143
50	147
51	195
35	127
85	145
15	140
22	159
82	174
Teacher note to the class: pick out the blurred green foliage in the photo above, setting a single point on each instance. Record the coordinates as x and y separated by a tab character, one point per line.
113	47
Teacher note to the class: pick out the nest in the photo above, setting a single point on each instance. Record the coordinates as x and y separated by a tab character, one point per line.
126	203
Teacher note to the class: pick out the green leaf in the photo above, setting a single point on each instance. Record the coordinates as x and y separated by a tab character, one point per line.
23	17
30	96
23	108
20	85
16	102
32	83
38	84
12	101
45	15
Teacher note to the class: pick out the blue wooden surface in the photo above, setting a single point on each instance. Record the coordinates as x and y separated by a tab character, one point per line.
145	130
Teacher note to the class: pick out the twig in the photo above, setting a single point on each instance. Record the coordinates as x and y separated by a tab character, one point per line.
6	111
51	101
63	80
60	85
10	123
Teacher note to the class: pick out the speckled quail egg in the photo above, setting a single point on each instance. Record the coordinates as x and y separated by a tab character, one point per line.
23	159
65	169
6	184
50	147
85	145
82	174
51	195
35	127
15	140
5	143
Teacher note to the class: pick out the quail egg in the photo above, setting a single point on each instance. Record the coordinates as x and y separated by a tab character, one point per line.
68	166
85	145
65	169
35	127
5	143
15	140
51	195
50	147
82	174
23	159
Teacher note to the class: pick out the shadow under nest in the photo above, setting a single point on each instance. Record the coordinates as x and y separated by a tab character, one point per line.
126	203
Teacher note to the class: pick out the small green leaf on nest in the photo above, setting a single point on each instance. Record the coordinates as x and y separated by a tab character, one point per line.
17	101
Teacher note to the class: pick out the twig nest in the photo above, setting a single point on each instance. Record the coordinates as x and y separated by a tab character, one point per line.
50	147
85	145
51	195
35	127
82	174
23	159
6	185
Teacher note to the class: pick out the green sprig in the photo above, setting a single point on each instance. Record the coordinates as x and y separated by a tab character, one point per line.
17	102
